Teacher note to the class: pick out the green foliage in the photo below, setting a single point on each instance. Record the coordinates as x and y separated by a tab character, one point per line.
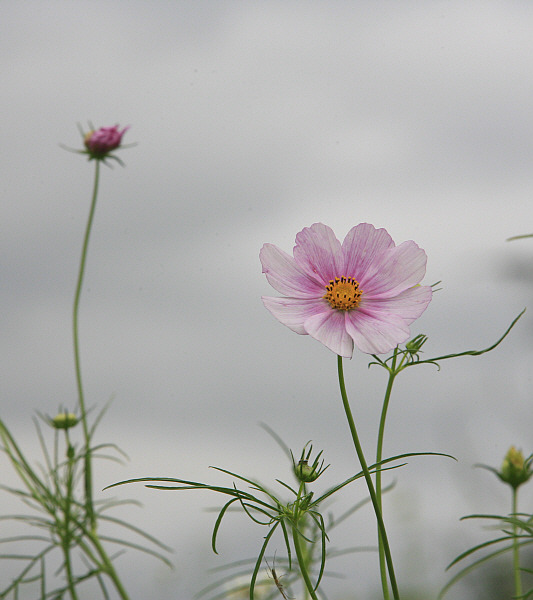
299	519
53	493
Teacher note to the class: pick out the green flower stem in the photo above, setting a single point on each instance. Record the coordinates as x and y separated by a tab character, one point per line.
302	563
379	456
304	558
68	568
81	398
516	548
368	479
66	537
107	566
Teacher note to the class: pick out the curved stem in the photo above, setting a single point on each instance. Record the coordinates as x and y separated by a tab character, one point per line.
368	479
516	549
77	362
106	565
379	456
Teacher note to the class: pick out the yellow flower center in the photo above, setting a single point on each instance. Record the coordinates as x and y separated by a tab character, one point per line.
343	293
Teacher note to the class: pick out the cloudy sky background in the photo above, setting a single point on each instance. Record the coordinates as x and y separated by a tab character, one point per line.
252	121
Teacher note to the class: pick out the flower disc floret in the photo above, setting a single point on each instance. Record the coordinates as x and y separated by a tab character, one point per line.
364	291
343	293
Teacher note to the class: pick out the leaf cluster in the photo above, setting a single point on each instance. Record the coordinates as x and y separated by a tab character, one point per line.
505	543
53	494
296	518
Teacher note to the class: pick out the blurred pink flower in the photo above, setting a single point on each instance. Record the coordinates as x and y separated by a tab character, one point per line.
101	142
364	291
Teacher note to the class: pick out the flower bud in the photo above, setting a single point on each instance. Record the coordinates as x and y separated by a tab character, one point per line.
101	142
305	472
515	470
64	420
414	346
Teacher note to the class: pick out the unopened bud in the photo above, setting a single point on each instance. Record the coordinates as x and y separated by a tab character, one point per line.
101	142
305	472
64	420
515	469
414	346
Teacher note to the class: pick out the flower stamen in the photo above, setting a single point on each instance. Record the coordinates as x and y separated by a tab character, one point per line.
343	293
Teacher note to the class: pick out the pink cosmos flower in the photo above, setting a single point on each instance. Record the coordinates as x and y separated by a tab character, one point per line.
364	291
101	142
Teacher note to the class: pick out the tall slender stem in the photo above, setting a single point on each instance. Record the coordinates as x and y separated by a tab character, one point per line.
516	548
77	362
67	536
106	564
379	456
368	479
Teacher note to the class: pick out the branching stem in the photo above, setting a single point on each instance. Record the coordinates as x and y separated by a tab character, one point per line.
373	497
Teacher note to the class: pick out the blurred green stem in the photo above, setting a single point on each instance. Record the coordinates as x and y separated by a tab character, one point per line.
107	566
373	497
516	548
77	362
66	537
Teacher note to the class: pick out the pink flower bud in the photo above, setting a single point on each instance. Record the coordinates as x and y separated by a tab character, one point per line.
101	142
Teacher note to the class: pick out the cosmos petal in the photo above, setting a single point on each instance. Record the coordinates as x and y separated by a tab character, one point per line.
397	269
408	305
319	253
362	246
284	274
328	327
293	312
376	335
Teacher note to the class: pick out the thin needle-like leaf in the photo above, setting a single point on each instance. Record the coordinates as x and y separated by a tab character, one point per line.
218	522
260	560
471	352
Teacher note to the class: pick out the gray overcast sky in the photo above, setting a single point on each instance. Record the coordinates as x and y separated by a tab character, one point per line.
254	120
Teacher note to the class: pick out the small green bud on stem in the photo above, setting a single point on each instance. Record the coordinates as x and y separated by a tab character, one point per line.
414	346
64	420
305	472
515	470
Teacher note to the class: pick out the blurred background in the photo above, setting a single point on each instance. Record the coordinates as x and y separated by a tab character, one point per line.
253	120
